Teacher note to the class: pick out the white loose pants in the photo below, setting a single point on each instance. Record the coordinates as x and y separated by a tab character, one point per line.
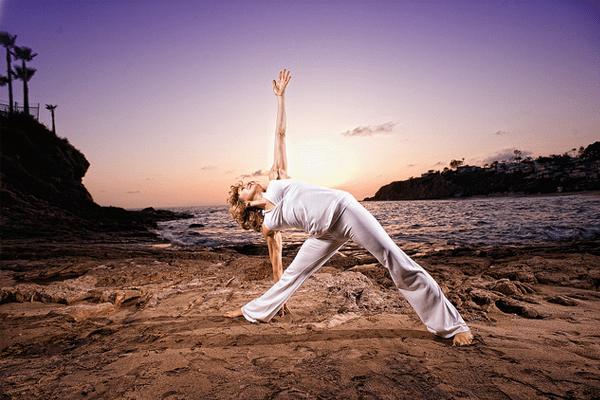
356	223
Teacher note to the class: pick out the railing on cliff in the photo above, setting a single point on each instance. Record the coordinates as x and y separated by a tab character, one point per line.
34	110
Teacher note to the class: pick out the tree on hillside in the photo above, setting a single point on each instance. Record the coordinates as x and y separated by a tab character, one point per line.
454	164
25	75
25	54
517	154
51	108
592	152
8	41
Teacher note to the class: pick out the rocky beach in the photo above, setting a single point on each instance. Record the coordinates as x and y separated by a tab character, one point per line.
141	319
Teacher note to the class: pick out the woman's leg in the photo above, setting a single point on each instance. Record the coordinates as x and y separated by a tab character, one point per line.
417	286
311	256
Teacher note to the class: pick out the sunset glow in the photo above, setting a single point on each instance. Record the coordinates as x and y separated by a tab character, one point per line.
171	101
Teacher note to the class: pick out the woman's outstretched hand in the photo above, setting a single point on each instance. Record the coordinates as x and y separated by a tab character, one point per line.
281	83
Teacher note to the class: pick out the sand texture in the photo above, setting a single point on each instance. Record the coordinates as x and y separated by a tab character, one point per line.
142	320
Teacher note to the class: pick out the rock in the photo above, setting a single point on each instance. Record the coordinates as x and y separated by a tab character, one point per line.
82	312
563	300
375	272
508	288
42	192
482	297
371	299
511	306
20	293
516	271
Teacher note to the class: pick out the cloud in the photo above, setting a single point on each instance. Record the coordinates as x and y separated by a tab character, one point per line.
505	155
371	130
500	133
208	168
133	192
255	174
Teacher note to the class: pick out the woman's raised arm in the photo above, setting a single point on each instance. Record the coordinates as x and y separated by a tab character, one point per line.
279	168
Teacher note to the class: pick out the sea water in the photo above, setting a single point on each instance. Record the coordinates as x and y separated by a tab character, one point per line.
497	220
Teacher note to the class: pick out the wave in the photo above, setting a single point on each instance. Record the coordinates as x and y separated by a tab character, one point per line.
464	221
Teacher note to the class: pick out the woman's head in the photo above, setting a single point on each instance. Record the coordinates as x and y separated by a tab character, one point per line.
247	217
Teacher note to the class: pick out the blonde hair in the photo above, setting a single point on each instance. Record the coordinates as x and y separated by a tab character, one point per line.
247	217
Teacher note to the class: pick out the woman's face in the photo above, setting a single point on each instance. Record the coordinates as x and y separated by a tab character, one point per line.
248	192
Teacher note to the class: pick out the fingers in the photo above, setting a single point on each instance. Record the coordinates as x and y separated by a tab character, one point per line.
280	84
284	76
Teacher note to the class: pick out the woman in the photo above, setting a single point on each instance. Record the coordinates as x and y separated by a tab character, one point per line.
331	218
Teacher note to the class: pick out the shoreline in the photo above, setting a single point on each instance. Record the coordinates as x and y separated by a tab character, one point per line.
590	193
94	319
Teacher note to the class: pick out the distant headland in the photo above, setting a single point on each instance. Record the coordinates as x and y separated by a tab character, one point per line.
567	173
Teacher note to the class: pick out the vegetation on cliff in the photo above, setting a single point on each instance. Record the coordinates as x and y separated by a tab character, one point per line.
551	174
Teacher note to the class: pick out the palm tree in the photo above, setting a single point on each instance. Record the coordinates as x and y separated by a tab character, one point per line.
8	41
24	54
51	108
25	75
517	154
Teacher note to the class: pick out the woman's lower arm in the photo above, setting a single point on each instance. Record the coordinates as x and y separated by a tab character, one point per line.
275	246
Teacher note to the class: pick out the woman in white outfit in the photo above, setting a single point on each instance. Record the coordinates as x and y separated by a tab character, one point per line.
331	218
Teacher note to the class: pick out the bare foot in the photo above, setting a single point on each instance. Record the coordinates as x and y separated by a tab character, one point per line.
233	314
462	339
284	310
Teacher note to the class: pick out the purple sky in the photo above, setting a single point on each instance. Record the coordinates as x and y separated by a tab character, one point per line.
171	101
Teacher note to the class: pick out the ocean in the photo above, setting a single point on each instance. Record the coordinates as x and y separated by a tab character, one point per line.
494	220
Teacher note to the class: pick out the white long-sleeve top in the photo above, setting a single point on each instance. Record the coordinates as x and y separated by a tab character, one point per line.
311	208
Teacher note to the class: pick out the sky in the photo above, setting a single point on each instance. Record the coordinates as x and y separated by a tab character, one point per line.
171	101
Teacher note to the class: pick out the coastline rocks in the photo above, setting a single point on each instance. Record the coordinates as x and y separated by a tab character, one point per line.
42	193
569	270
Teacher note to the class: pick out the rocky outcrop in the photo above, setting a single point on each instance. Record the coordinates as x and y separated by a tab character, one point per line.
453	184
42	193
562	173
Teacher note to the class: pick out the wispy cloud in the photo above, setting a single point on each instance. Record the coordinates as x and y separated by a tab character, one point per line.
500	133
133	192
371	130
208	168
255	174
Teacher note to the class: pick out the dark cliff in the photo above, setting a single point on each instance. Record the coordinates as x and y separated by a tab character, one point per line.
41	190
550	175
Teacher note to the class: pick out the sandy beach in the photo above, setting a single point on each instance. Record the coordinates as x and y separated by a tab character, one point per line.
142	320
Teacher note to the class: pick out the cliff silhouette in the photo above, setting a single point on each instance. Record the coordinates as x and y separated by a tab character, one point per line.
42	193
552	174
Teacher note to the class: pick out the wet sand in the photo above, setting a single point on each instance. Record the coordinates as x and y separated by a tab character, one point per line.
141	319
